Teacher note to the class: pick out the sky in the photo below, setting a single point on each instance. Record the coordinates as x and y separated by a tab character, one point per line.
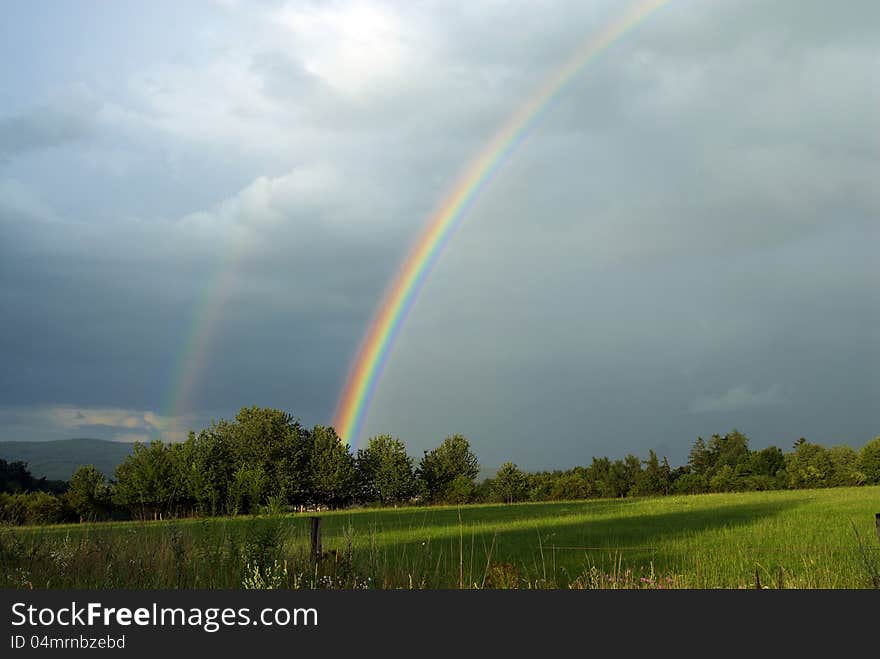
202	203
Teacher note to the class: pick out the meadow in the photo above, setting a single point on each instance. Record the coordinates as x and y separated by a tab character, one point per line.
822	538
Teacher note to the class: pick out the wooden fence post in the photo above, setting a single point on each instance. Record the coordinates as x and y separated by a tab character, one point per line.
316	538
877	523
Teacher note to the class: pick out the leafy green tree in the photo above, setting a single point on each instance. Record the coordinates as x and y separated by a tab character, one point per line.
15	477
89	494
181	499
766	462
249	488
206	467
690	483
655	478
539	486
385	472
600	479
439	468
845	470
265	444
568	485
276	442
333	479
809	466
724	480
42	508
869	461
510	483
144	481
730	449
629	471
699	458
607	479
461	490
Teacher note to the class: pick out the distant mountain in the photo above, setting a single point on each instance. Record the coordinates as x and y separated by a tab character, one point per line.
58	459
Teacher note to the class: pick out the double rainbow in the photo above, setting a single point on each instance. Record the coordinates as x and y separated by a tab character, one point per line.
372	356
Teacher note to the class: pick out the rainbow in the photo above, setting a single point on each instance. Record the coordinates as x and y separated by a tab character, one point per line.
372	356
192	356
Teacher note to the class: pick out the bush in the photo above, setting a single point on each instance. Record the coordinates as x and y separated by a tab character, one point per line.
44	508
845	467
32	508
809	466
725	480
690	484
869	461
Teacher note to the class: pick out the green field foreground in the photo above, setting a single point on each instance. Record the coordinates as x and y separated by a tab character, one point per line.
789	539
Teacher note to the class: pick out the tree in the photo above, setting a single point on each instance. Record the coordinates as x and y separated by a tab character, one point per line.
567	485
88	494
724	480
261	445
510	483
845	470
144	481
452	460
699	458
42	508
766	462
762	470
15	477
869	461
332	469
629	471
690	483
809	466
608	479
249	488
276	442
599	476
655	478
385	471
730	449
461	490
207	466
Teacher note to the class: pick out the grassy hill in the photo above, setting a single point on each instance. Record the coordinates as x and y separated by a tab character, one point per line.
784	539
57	460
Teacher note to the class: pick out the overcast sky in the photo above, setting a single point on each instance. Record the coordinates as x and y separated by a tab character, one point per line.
686	244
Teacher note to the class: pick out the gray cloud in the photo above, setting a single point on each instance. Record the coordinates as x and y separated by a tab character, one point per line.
68	117
692	219
737	399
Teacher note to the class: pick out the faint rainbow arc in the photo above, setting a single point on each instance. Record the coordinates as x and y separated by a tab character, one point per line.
372	356
194	351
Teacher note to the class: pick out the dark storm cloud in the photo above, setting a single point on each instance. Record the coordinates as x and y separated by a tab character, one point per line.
110	306
683	245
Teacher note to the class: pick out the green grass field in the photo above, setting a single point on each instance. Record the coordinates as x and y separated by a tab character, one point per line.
791	539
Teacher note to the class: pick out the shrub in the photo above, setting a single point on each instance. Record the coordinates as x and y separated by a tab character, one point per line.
690	484
869	461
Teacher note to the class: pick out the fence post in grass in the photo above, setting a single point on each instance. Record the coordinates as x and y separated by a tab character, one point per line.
316	538
877	524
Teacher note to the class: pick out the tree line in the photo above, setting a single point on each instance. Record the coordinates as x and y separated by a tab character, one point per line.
265	460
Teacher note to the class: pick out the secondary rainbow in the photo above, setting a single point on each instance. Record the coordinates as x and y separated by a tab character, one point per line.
372	356
192	358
